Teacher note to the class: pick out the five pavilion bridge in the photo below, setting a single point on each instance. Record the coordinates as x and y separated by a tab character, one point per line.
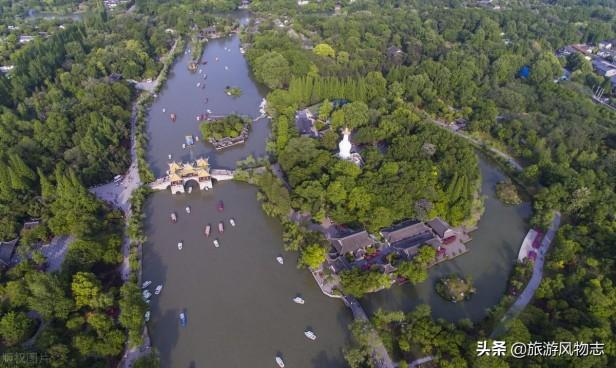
180	173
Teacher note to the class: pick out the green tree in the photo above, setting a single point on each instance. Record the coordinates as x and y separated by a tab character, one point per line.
87	291
325	50
15	327
312	256
272	69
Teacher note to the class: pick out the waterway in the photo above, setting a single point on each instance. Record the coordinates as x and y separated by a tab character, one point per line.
237	297
493	252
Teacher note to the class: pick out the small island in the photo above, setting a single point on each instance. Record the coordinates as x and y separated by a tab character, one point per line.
455	288
507	192
233	91
226	132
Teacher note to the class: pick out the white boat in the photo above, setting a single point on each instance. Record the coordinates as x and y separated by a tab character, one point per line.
221	227
180	244
189	190
200	71
232	222
146	284
208	228
298	300
226	67
242	50
280	260
169	156
187	209
198	84
164	110
208	111
147	316
197	138
146	294
279	362
216	244
158	289
183	145
309	334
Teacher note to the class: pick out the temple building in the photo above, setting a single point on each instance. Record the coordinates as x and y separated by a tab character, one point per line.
345	147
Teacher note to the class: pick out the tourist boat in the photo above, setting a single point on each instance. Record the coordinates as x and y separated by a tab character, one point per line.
280	260
221	206
173	117
180	245
158	289
174	217
309	334
146	294
183	319
208	228
232	222
216	244
147	316
187	209
221	227
298	299
279	362
146	284
189	140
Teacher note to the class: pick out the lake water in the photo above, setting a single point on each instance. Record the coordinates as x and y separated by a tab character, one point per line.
237	297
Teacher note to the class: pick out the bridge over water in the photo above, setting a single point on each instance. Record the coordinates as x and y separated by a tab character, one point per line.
180	174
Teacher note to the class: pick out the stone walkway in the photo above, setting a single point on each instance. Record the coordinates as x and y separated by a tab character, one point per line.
512	162
379	353
534	282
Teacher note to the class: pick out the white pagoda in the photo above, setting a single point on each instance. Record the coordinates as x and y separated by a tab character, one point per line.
344	149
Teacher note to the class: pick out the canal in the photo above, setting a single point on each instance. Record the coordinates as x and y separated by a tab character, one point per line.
237	297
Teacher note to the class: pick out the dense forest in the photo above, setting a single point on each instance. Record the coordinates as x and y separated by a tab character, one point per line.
64	126
403	64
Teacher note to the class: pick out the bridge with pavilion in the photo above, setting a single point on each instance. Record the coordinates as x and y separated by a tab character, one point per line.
181	173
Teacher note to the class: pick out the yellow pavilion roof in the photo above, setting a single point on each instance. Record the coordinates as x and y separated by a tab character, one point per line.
202	162
173	167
